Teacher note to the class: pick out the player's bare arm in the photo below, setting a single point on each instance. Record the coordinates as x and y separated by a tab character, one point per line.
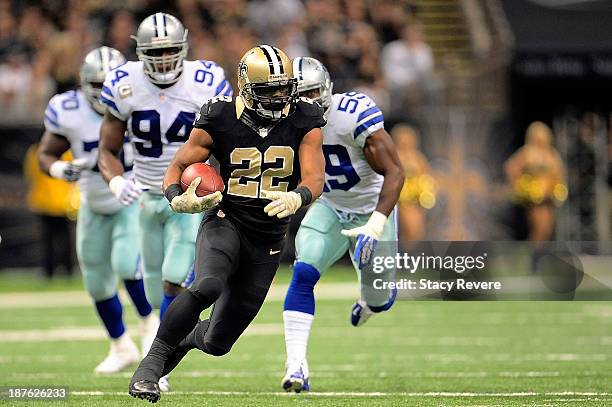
196	149
312	162
381	155
112	132
51	148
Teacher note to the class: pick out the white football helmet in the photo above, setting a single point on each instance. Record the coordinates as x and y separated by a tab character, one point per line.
96	65
161	45
312	74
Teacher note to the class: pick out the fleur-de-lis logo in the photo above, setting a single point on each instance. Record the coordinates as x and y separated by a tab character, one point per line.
242	70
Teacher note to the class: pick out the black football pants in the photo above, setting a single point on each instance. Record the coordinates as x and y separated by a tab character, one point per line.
234	272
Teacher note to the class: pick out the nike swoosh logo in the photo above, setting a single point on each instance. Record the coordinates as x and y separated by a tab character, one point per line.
273	252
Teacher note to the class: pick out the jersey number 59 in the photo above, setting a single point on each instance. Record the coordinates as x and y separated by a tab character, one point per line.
339	170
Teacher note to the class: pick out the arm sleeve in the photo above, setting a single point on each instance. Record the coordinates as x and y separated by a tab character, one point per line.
52	117
222	85
369	120
111	98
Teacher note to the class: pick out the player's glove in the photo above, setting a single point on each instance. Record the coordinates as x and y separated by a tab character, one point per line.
283	203
189	202
67	170
126	190
367	238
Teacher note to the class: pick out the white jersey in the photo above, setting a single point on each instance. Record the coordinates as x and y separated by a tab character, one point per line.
351	185
70	115
159	120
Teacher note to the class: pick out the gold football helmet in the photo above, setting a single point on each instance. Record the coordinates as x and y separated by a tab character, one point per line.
266	83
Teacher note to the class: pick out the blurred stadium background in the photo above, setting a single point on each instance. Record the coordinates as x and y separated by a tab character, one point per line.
459	82
468	76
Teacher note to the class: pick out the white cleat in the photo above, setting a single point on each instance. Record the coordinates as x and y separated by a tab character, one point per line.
164	383
123	353
296	379
148	330
360	313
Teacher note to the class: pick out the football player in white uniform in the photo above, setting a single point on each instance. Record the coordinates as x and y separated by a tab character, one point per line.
363	180
107	231
156	99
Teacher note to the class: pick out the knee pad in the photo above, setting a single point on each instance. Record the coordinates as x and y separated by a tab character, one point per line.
100	286
300	295
207	290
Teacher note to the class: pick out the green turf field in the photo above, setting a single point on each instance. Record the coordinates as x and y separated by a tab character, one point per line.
420	353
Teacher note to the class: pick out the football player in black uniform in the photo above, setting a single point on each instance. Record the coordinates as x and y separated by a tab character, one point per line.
269	146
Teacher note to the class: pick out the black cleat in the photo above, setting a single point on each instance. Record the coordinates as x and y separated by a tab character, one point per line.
145	390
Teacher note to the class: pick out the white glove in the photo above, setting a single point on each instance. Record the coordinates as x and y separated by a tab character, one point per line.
367	238
283	203
126	190
67	170
189	202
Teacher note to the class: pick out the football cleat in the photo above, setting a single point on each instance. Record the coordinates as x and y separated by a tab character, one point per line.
361	311
145	390
148	330
123	353
164	383
296	379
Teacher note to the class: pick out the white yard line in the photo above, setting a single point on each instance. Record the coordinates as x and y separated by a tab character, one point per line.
317	374
95	333
358	394
327	291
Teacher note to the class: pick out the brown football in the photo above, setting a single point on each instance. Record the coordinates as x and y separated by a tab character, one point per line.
211	180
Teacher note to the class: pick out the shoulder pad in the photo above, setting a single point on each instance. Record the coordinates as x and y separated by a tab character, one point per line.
309	107
214	112
308	113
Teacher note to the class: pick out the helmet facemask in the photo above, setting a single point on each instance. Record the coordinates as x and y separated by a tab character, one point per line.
98	62
321	94
92	91
314	81
271	100
163	65
161	45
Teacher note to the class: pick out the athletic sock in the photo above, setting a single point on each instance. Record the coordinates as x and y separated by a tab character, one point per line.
151	367
299	311
193	340
297	328
300	295
181	317
111	314
135	289
166	301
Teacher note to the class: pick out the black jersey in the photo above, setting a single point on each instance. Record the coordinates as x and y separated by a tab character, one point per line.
253	159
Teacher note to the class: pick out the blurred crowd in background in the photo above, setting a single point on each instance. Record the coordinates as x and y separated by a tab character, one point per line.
455	120
375	47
